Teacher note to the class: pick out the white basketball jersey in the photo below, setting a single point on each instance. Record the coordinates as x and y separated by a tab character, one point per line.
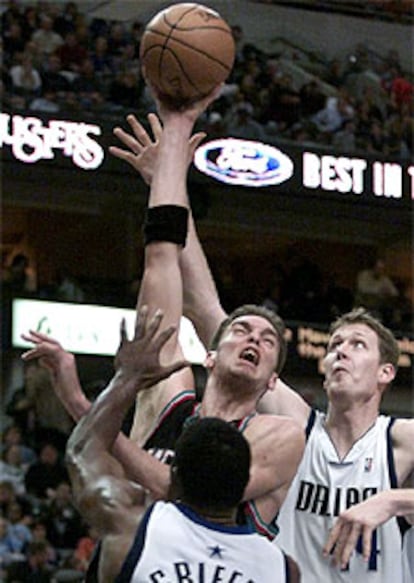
174	545
323	487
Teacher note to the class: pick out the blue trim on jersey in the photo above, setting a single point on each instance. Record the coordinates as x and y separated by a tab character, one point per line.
194	517
390	456
287	568
310	423
135	551
403	524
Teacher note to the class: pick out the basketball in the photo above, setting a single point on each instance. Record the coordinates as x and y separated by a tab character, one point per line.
186	50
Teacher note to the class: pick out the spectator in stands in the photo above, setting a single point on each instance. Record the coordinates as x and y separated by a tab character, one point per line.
51	420
44	476
130	59
9	547
376	292
68	288
71	53
240	123
63	522
84	549
117	40
401	90
394	142
12	468
45	38
8	496
29	22
125	90
13	43
100	57
88	88
344	139
25	78
39	534
334	73
312	98
331	118
68	19
282	102
34	569
54	80
18	526
19	277
12	435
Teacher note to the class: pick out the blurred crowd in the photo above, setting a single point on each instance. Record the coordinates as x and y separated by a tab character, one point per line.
56	59
42	535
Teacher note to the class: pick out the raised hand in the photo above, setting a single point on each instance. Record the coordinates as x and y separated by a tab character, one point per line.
142	149
62	368
48	351
139	358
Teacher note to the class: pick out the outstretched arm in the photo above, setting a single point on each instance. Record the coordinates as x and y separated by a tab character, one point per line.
137	464
63	372
362	519
201	302
105	498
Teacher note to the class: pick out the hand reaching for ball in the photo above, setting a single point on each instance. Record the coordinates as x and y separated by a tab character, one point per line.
186	51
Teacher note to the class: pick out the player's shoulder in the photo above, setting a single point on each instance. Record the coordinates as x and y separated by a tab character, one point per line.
280	426
402	431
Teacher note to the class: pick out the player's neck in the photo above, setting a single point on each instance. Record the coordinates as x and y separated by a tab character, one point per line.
225	405
345	428
222	517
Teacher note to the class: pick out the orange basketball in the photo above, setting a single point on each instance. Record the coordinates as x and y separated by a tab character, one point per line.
186	51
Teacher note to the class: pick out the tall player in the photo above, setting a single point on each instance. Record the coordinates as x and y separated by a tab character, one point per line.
195	538
243	363
358	451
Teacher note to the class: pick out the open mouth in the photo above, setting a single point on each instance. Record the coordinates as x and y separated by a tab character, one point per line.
250	355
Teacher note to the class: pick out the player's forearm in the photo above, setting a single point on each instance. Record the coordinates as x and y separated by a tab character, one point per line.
67	387
142	468
171	162
398	502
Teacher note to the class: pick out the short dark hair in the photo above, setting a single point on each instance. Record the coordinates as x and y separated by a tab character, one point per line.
387	343
254	310
212	464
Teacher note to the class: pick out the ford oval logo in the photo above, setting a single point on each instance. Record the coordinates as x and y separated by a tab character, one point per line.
243	162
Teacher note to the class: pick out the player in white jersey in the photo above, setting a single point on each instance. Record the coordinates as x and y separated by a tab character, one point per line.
195	539
326	485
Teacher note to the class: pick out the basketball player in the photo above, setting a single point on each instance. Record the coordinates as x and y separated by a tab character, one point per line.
354	451
194	539
246	357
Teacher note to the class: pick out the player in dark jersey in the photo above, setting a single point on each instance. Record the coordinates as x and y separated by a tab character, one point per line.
195	537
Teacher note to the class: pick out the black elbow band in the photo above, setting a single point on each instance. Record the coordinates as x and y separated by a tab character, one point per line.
168	223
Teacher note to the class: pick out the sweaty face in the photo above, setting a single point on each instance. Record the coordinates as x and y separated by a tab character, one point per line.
352	363
249	348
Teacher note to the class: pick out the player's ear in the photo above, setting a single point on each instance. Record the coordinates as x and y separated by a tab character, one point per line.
386	373
271	383
210	360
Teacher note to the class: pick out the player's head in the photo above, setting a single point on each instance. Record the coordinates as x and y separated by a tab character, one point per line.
211	465
387	344
253	310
